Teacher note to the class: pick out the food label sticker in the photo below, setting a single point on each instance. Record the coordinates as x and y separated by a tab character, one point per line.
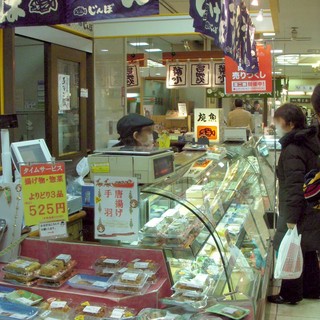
141	265
24	264
229	310
65	257
117	313
99	284
123	270
108	270
58	304
135	260
111	261
92	309
26	301
18	316
130	276
45	314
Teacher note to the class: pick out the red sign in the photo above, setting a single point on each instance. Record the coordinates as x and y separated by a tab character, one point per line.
239	81
209	132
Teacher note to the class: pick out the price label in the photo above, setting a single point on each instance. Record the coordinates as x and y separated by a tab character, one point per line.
117	313
123	270
25	301
111	261
64	257
128	276
141	265
92	309
229	310
99	284
58	304
25	264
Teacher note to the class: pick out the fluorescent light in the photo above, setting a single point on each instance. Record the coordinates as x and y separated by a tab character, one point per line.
153	50
277	51
254	3
132	95
260	15
104	50
268	34
139	44
277	72
152	63
296	93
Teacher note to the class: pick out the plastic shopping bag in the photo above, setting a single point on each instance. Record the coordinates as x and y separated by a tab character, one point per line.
290	260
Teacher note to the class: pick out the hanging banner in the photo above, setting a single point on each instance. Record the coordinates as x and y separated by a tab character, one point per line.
44	193
239	81
116	208
219	74
177	75
200	74
229	24
207	124
17	13
64	94
133	76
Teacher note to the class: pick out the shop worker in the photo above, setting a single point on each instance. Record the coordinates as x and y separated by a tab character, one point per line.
299	155
257	107
239	117
135	130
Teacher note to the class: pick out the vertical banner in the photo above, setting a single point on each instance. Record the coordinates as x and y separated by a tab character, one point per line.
117	211
63	92
177	75
238	81
133	76
207	123
200	74
44	193
219	74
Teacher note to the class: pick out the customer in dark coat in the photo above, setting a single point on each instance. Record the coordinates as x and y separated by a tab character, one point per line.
300	151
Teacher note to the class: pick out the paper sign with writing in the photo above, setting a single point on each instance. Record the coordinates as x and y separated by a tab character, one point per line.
64	92
200	74
219	74
53	230
116	208
177	75
44	193
133	76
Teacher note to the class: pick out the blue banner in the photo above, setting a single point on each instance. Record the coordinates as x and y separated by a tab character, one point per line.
229	24
15	13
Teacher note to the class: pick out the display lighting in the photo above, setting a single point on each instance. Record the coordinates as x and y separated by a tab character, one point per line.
268	34
277	51
139	44
260	16
153	50
255	3
104	50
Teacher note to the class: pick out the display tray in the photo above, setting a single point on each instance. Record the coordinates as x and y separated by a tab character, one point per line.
89	282
12	311
4	291
156	314
24	297
230	311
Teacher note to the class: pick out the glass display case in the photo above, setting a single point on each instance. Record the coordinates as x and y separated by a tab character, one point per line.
209	220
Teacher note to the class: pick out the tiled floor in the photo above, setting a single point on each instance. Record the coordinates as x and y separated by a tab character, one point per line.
305	310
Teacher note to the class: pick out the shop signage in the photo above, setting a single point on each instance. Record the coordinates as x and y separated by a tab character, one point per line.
64	92
133	76
300	100
229	24
53	230
116	208
201	74
48	12
239	81
44	193
305	88
219	74
207	123
177	75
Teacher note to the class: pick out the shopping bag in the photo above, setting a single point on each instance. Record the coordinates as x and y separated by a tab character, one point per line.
290	260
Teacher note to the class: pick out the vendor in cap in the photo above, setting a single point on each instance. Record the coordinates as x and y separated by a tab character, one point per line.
135	130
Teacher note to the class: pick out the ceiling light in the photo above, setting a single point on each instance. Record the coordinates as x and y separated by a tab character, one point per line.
104	50
254	3
139	44
153	50
268	34
260	15
277	72
277	51
152	63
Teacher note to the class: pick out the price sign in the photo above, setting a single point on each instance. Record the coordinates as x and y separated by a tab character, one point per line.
44	193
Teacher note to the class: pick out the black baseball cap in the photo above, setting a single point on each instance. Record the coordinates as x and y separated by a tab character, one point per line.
132	122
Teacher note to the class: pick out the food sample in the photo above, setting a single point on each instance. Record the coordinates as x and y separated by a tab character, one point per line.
120	313
129	282
21	279
22	266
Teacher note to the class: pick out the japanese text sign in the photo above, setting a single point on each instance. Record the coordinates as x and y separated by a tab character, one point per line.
48	12
117	213
200	74
207	123
177	75
238	81
44	193
63	91
133	76
219	74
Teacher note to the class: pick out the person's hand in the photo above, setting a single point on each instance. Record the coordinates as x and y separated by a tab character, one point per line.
291	225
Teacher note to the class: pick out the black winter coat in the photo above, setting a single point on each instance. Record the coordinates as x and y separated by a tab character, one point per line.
300	151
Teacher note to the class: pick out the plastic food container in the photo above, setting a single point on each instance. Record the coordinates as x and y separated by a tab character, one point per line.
105	271
199	284
22	266
107	262
9	310
230	311
24	297
20	279
196	301
49	283
89	282
155	314
120	313
57	273
90	311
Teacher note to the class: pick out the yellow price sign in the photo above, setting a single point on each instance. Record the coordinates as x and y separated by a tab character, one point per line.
44	193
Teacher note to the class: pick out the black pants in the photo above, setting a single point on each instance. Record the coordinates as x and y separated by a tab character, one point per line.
308	285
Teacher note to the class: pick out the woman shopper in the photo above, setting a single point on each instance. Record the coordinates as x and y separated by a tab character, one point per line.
300	151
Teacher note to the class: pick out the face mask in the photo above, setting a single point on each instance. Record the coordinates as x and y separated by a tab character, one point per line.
280	131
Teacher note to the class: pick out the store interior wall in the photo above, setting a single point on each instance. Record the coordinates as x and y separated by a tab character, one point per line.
109	69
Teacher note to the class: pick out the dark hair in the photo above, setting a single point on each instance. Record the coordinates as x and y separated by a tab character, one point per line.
256	102
291	113
130	140
238	103
315	99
